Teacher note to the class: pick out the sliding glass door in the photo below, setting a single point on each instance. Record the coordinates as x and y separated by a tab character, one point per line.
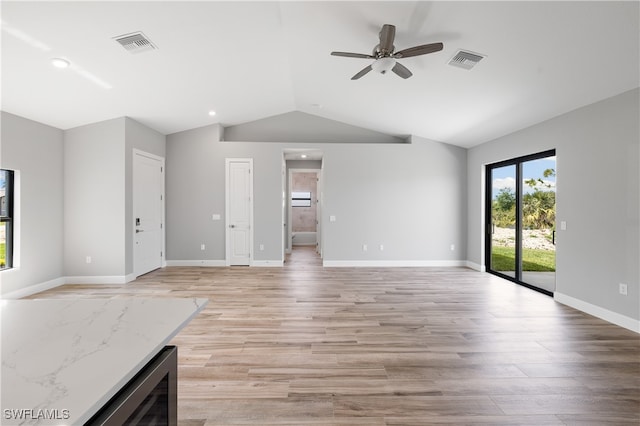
521	206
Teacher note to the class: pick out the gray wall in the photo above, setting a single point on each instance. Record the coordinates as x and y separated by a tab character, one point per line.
409	197
94	187
35	150
195	191
304	164
299	127
597	195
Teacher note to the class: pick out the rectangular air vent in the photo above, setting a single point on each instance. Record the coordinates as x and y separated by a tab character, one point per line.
466	60
135	42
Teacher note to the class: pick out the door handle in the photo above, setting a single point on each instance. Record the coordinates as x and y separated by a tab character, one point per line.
139	230
232	226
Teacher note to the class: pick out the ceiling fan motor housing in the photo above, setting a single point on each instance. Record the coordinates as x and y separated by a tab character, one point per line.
379	53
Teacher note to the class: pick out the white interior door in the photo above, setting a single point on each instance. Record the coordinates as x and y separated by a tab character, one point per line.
239	200
148	212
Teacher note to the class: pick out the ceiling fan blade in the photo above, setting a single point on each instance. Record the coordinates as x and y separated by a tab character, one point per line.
387	35
401	70
419	50
352	55
361	73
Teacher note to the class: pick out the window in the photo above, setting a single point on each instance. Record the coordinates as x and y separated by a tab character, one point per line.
301	199
6	219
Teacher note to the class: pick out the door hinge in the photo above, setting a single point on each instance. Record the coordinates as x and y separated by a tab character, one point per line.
160	254
161	169
161	225
160	197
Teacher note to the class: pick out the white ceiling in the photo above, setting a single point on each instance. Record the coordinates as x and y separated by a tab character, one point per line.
251	60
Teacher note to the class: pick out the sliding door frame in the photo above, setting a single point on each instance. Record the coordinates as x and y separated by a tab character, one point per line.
517	162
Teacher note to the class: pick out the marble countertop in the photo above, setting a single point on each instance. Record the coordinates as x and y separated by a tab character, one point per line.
64	359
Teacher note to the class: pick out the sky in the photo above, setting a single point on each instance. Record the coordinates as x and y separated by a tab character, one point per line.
505	177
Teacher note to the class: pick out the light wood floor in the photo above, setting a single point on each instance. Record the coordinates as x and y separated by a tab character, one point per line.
306	345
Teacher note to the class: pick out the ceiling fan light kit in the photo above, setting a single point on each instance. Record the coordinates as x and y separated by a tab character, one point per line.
383	65
386	57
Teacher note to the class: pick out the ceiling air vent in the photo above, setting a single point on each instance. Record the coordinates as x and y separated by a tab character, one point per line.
135	42
466	60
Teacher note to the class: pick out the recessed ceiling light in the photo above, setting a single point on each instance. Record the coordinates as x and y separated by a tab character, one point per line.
303	156
60	63
212	113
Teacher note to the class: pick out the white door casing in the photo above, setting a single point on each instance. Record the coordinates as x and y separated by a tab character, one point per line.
239	211
319	190
148	212
283	183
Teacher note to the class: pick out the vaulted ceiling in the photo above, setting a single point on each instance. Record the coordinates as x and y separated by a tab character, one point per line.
252	60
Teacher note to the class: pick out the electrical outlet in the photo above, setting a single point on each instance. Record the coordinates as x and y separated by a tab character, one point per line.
88	259
201	246
381	247
453	247
622	287
261	247
364	247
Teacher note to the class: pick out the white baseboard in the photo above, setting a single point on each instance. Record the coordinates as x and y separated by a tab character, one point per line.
475	266
196	263
393	263
33	289
105	279
267	263
599	312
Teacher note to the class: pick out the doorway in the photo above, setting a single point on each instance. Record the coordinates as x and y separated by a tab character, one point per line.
302	192
148	212
520	220
304	208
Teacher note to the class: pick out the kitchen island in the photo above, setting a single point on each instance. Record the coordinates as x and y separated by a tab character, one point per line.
65	361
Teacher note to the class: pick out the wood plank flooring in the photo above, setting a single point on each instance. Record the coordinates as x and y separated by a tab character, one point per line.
306	345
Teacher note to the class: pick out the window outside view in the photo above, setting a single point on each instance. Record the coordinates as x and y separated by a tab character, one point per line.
5	217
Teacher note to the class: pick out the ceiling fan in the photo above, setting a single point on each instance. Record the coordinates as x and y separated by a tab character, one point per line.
385	55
